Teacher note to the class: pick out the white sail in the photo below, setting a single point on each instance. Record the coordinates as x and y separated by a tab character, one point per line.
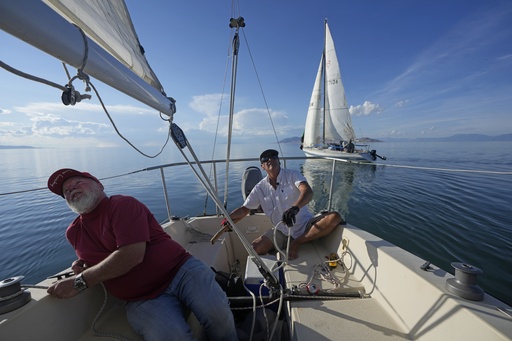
116	35
328	122
338	124
312	132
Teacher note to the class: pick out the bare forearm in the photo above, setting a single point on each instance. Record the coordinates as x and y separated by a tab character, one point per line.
239	213
116	264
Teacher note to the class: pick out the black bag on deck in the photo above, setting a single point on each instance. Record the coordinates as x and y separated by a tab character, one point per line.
231	283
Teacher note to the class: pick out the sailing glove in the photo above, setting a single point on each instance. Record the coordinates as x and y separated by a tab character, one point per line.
289	216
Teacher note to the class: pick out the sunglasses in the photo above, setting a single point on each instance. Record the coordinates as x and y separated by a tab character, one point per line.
266	158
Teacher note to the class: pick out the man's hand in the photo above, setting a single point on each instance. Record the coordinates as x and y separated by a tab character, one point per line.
78	266
225	223
289	216
63	288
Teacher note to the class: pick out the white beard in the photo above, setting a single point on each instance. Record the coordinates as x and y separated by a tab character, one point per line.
86	203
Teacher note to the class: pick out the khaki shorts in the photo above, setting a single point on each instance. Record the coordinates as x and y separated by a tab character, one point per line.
282	239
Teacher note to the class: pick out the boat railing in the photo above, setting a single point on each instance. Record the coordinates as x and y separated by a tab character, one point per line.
215	175
215	172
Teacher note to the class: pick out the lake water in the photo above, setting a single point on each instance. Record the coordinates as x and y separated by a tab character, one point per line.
445	202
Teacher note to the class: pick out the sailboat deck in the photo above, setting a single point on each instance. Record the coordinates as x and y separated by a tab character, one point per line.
353	315
383	294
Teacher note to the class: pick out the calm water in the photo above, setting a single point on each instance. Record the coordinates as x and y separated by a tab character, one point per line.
441	216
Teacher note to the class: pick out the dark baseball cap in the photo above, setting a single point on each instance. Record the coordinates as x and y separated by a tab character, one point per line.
267	154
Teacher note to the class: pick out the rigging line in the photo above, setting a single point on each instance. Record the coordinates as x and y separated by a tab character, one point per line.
86	51
262	92
121	135
448	169
101	179
207	185
226	68
80	72
31	77
235	7
423	168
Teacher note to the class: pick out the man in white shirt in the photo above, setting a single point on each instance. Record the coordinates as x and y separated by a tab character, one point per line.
283	195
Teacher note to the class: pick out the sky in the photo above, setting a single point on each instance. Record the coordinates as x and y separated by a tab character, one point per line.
410	69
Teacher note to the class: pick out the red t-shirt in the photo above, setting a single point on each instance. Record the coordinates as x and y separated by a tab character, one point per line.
122	220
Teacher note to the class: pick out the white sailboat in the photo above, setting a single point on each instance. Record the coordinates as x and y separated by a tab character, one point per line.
328	131
373	291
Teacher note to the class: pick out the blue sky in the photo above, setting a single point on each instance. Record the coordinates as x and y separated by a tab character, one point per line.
410	69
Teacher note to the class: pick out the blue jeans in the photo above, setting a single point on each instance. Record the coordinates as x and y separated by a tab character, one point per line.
195	288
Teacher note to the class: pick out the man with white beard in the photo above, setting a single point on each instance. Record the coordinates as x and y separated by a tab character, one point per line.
119	243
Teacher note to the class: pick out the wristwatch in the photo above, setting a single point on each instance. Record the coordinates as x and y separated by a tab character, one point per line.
80	283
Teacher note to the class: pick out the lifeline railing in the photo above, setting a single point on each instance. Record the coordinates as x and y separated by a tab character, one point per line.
223	161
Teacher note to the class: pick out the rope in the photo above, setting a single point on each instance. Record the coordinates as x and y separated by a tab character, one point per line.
449	170
31	77
121	135
30	286
86	52
98	315
422	168
262	93
84	77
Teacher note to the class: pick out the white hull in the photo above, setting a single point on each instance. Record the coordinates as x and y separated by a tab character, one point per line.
363	156
387	296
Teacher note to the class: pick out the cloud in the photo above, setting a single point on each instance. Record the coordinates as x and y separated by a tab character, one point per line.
401	103
460	53
4	111
365	109
207	104
50	125
428	131
42	107
246	122
396	133
505	58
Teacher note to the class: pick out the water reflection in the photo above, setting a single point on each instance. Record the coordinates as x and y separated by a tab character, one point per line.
346	176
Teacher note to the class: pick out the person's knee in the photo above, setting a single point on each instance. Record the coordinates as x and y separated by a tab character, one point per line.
262	245
335	218
259	248
153	327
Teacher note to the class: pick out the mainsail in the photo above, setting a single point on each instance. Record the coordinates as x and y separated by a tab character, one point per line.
312	132
337	124
116	35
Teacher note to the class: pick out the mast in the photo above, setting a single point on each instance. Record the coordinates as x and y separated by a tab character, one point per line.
324	54
233	23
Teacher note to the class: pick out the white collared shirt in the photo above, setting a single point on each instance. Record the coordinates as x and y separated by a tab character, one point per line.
275	202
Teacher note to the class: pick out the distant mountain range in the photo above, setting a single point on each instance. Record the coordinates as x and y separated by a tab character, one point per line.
16	147
454	138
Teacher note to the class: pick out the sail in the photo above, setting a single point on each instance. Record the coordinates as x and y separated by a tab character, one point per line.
338	124
115	34
312	131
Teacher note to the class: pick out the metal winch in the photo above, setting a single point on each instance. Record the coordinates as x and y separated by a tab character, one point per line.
12	296
464	283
